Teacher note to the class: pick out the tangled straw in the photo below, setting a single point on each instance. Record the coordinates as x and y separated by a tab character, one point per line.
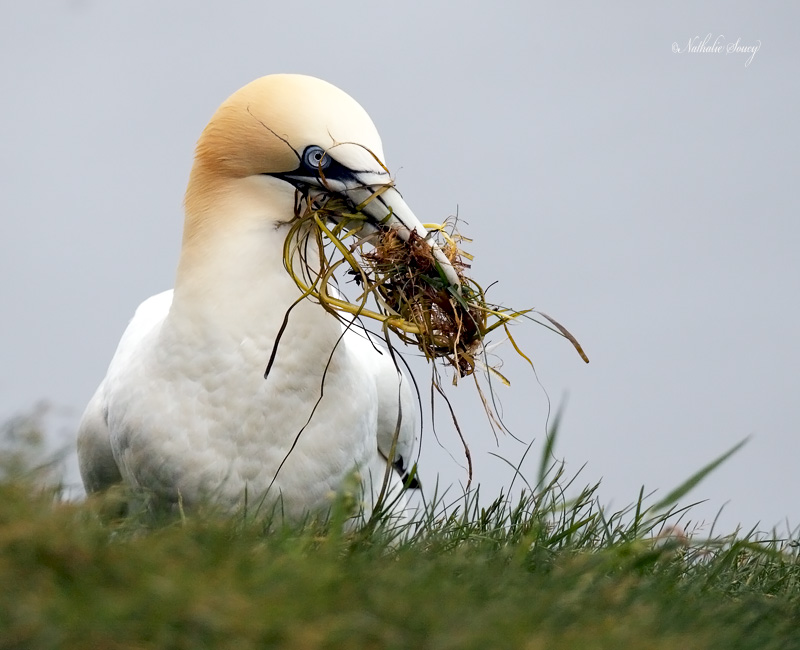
411	294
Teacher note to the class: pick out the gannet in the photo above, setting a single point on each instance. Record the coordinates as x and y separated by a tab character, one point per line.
185	411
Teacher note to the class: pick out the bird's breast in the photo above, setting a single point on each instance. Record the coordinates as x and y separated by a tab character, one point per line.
192	413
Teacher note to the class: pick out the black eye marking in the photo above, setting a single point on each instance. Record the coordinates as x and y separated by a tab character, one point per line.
317	163
317	166
315	159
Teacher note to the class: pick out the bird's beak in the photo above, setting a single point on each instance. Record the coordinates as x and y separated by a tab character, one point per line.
387	208
376	197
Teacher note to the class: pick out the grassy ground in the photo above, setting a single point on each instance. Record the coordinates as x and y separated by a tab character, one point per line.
544	573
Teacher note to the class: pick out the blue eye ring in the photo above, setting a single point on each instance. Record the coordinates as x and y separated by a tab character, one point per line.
315	158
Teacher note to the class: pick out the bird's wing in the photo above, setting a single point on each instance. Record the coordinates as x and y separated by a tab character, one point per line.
397	407
98	468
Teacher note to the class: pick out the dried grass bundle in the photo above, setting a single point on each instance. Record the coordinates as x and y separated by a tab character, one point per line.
411	294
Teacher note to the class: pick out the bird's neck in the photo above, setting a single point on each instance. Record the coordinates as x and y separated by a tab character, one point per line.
231	275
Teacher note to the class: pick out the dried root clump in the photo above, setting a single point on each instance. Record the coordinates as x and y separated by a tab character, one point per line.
433	315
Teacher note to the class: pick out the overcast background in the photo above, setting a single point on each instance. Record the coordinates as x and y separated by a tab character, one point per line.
647	199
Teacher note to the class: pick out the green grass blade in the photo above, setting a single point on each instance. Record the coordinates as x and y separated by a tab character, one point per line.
685	487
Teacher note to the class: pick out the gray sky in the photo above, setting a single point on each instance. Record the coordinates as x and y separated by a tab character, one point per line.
645	198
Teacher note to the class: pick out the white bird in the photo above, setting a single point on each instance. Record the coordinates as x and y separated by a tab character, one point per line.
185	410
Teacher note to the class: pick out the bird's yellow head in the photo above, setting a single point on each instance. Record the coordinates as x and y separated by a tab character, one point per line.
279	135
267	126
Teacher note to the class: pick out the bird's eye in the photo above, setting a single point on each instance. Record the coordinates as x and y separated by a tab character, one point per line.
315	158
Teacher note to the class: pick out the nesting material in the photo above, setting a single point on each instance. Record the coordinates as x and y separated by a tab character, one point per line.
402	284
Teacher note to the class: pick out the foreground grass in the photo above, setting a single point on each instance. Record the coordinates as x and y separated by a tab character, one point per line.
543	573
